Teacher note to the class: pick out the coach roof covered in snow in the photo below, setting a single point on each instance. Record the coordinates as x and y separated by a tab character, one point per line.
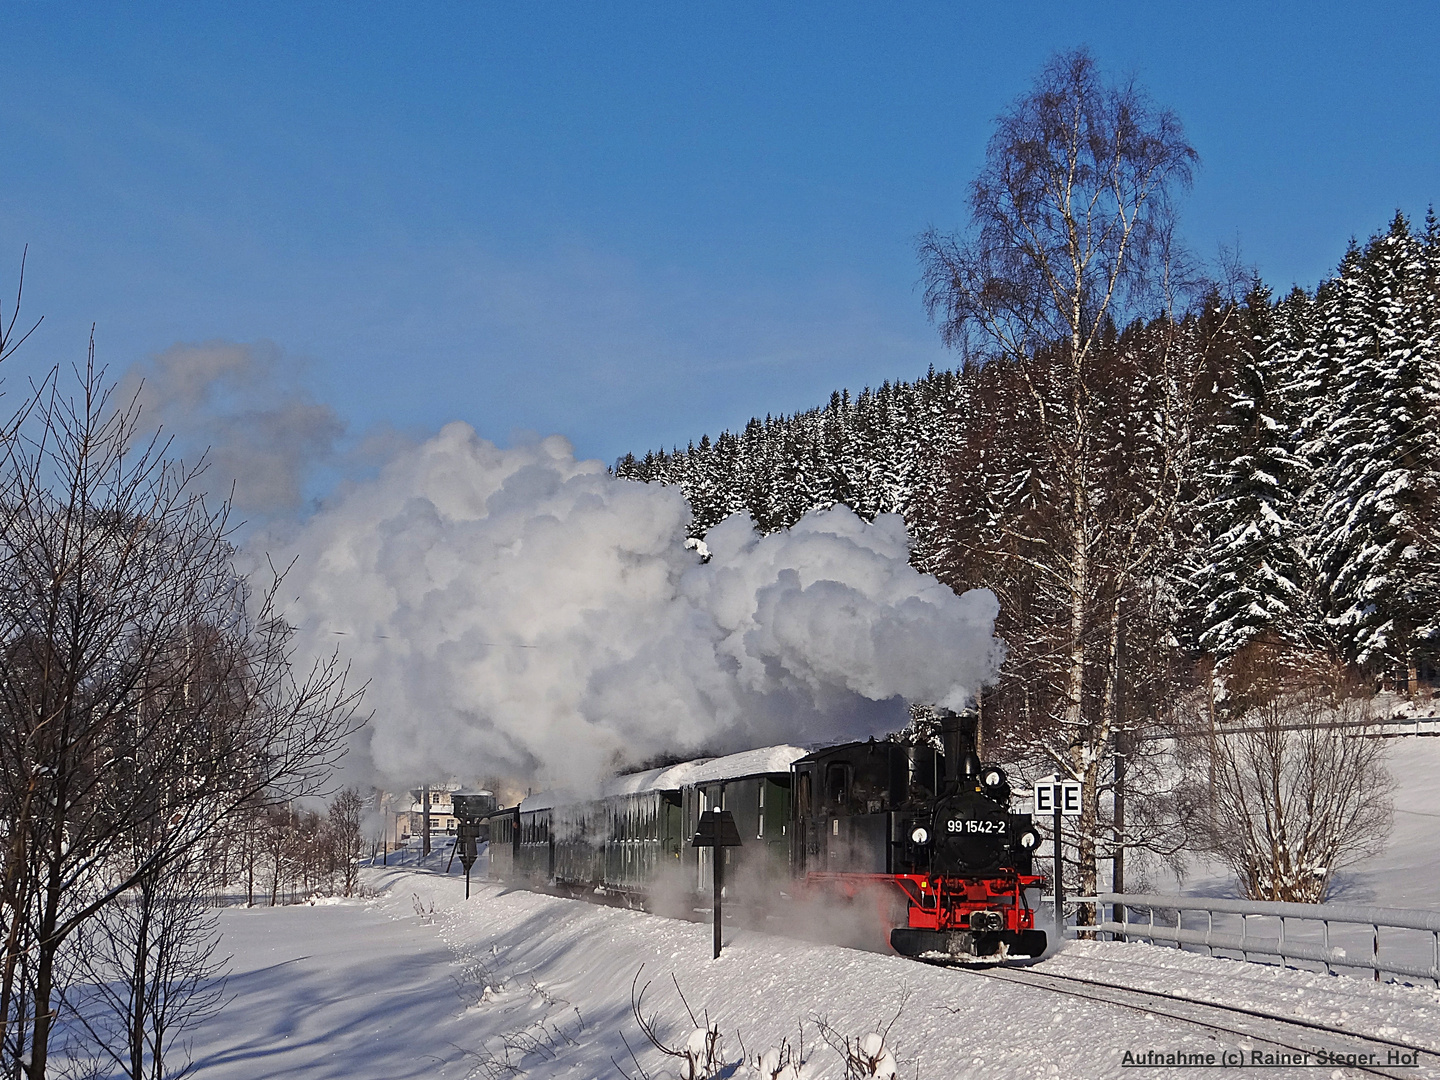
769	759
669	778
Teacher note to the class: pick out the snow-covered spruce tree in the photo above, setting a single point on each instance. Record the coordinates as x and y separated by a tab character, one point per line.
1376	448
934	431
1251	584
878	452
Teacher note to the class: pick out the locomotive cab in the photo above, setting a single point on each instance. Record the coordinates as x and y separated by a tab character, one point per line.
856	807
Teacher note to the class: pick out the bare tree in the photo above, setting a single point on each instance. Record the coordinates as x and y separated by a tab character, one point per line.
346	836
1299	792
146	696
148	974
1072	236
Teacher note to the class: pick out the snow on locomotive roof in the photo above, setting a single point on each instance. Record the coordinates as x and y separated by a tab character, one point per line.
768	759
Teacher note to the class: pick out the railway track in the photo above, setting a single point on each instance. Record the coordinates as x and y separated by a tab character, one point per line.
1371	1055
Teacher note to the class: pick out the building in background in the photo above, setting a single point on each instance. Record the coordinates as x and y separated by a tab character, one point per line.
405	813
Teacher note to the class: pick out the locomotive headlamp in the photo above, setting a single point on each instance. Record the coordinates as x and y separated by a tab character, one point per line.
921	835
1029	839
992	778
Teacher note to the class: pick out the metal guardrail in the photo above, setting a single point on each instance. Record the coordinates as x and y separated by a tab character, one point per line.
1284	946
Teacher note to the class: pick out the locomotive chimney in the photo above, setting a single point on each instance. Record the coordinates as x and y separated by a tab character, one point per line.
957	730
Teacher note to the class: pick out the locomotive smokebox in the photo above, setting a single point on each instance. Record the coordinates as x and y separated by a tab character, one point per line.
958	731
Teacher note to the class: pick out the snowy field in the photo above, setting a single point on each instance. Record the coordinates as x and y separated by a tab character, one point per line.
1404	872
417	982
1407	872
421	983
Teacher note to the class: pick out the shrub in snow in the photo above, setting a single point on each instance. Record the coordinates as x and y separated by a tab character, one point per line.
866	1058
701	1051
1305	754
699	1057
871	1058
780	1063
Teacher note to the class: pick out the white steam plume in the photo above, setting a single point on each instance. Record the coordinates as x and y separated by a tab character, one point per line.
520	612
240	405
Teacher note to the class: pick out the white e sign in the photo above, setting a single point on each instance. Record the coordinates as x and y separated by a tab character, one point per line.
1052	793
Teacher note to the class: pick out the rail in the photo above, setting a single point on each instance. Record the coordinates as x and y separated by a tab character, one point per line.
1305	931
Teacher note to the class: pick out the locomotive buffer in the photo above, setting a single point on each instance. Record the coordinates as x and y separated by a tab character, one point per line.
717	830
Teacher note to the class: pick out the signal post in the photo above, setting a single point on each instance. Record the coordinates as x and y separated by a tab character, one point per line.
717	831
1059	798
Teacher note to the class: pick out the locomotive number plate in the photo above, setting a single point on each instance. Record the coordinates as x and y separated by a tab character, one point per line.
970	825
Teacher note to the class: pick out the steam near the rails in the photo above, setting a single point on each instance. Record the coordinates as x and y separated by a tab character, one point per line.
519	612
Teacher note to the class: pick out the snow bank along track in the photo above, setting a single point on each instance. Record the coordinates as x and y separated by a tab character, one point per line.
1373	1055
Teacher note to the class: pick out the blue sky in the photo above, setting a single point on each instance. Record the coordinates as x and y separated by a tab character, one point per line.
626	223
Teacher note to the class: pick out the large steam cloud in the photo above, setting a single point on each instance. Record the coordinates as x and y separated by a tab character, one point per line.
521	613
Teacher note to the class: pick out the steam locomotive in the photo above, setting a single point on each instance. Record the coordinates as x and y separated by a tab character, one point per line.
927	838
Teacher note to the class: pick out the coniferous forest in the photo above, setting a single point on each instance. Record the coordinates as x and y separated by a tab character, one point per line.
1261	476
1303	433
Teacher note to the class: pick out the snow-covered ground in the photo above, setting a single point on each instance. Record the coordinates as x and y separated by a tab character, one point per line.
419	982
1406	873
415	981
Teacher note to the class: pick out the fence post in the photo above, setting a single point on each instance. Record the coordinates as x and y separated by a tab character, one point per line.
1281	945
1375	952
1326	924
1209	930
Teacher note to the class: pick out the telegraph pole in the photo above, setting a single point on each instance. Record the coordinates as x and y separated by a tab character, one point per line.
1117	870
1059	880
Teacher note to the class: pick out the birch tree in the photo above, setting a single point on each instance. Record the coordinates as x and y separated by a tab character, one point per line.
1071	235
